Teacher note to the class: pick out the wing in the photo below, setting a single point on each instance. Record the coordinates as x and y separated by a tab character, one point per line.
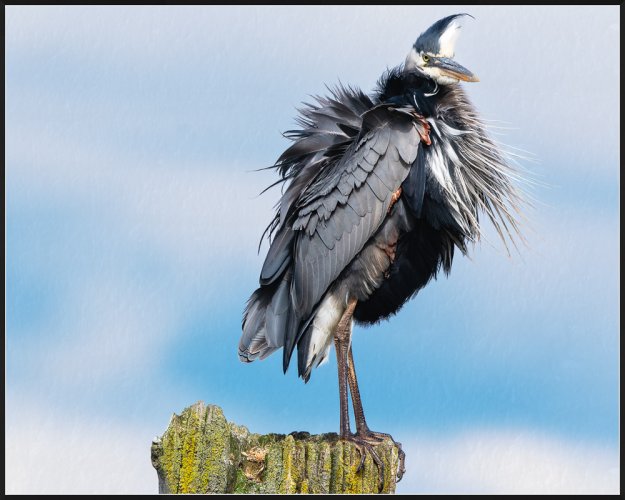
346	204
329	127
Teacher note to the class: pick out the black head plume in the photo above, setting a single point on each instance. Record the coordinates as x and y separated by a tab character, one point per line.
440	38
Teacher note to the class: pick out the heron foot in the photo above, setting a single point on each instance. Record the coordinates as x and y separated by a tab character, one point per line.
365	446
374	437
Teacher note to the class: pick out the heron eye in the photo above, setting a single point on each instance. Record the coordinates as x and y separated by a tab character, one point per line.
426	58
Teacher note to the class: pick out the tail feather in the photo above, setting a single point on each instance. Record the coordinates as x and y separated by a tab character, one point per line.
266	320
304	368
278	311
270	323
252	342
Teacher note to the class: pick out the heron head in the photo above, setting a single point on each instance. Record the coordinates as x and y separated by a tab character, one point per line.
433	53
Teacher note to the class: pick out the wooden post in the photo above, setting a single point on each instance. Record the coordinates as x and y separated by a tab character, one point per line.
201	452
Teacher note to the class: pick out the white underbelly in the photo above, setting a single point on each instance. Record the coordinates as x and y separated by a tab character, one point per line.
323	327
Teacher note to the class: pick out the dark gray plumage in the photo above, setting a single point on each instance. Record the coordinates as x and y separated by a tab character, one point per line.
380	192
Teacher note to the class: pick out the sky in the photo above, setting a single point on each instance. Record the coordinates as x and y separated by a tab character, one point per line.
133	217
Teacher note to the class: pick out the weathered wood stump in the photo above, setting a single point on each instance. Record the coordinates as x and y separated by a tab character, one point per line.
201	452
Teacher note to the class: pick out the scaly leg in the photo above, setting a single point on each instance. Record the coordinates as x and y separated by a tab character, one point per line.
362	429
342	341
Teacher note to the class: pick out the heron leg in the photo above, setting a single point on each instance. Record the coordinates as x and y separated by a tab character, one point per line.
342	343
362	429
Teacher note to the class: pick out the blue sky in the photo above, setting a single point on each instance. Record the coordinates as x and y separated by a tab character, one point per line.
133	220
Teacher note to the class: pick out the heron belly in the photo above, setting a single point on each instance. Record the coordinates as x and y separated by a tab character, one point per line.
420	253
323	326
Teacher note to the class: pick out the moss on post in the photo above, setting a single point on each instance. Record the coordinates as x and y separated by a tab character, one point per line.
201	452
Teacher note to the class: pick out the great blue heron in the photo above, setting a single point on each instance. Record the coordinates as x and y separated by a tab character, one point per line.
381	189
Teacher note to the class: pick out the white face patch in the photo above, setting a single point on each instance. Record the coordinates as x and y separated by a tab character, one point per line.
447	41
439	77
413	60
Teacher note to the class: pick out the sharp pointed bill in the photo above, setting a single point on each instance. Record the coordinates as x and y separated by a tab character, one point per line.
448	68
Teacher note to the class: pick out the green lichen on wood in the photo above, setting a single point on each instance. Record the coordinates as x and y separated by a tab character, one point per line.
201	452
189	466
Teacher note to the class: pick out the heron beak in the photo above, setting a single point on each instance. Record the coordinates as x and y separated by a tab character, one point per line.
448	67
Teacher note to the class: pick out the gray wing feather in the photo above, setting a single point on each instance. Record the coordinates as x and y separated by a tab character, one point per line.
360	175
381	143
377	186
278	257
350	201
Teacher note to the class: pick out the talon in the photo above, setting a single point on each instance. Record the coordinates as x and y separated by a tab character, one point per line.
373	437
363	447
362	460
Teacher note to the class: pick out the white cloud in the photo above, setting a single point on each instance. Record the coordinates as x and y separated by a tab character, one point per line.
116	319
112	329
508	461
194	213
51	454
